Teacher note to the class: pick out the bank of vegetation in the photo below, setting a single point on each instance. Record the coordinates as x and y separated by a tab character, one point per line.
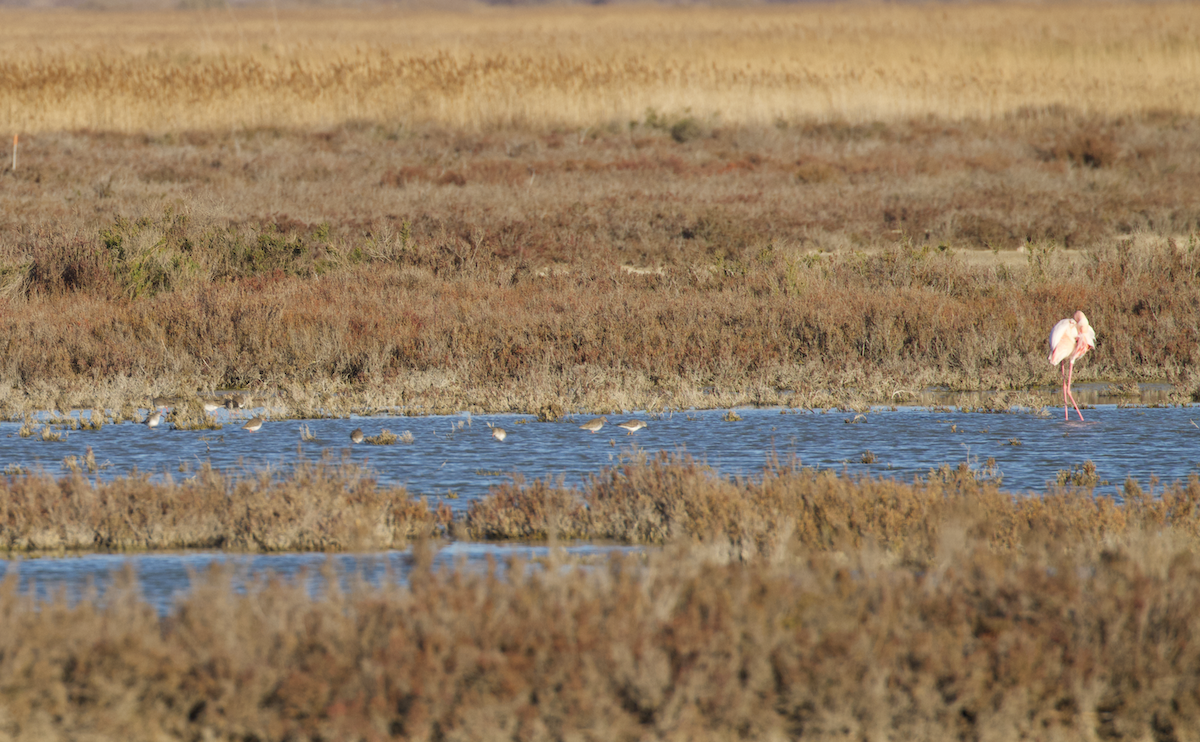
679	249
436	329
794	604
647	499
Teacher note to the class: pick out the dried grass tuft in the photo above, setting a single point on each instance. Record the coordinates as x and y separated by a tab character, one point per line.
666	498
314	506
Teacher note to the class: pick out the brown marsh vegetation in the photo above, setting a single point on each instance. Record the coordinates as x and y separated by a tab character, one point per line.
793	605
317	506
656	500
667	251
597	209
634	282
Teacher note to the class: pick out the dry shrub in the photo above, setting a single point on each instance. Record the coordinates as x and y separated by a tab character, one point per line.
315	506
666	498
67	265
1091	146
938	609
747	281
907	315
669	647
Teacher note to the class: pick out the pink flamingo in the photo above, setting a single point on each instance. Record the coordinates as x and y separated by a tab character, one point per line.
1069	340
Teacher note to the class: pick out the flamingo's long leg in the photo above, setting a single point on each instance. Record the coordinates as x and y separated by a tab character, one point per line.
1070	370
1066	411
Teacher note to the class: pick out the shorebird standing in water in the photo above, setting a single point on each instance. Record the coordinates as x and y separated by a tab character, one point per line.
632	426
594	425
153	419
498	433
253	424
356	436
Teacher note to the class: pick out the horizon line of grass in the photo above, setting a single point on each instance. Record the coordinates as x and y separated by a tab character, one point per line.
576	67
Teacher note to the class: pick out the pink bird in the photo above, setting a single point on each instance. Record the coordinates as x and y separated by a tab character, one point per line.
1069	340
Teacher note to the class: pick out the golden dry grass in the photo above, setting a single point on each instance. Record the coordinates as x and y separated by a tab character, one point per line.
590	66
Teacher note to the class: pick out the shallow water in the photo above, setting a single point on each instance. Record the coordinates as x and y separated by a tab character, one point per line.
455	459
163	578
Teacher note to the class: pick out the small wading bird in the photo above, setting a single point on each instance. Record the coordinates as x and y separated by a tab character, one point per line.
497	433
356	436
632	426
253	424
594	425
1069	340
153	419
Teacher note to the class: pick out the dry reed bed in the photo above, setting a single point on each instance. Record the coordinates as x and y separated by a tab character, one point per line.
1046	643
577	67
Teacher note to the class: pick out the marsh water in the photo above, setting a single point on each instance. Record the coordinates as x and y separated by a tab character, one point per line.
455	459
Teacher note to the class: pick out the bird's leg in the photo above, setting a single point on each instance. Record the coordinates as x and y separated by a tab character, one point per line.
1066	411
1070	370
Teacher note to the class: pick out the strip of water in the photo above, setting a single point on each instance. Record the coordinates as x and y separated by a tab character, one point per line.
164	578
456	458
